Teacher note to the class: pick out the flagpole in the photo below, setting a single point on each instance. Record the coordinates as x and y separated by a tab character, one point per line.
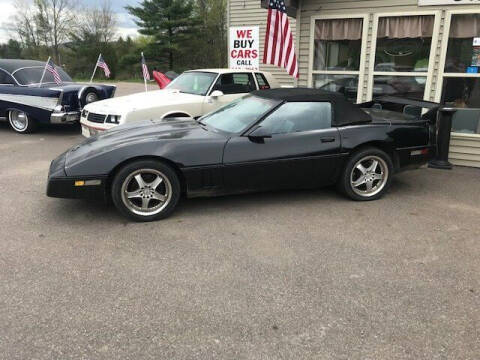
44	70
95	70
144	77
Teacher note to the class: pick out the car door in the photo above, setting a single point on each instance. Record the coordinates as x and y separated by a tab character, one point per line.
300	149
232	86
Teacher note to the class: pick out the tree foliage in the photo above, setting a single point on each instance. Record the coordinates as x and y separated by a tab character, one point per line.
175	35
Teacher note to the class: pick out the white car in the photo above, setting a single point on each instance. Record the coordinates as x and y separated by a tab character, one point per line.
192	94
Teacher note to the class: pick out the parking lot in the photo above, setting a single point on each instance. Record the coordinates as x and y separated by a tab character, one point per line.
284	275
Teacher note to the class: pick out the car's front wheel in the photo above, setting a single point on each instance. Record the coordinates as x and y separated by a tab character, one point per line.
146	190
367	175
20	122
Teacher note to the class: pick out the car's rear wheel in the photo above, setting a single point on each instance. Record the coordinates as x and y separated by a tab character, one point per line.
20	122
367	175
146	190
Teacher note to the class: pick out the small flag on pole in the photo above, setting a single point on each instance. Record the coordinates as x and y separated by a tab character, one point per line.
102	64
50	67
279	46
146	73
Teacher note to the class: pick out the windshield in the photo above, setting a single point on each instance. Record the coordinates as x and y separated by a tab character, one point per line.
194	82
240	114
32	75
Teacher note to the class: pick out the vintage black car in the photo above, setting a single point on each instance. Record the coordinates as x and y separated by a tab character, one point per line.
271	139
25	104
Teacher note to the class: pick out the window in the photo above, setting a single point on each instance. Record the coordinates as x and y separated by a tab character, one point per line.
33	75
462	55
262	82
5	79
337	55
240	114
461	77
235	83
402	55
193	82
298	117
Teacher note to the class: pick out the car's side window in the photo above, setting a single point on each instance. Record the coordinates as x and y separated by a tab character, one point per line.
298	117
5	79
262	81
235	83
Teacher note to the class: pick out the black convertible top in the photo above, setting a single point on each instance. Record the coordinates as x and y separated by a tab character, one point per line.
10	65
345	112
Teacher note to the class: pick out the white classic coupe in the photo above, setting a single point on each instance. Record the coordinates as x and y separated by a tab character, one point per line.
192	94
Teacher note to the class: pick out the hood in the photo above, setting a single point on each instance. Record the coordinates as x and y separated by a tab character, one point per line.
140	101
159	131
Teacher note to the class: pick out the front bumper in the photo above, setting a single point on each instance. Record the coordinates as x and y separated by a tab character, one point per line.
65	117
59	185
90	128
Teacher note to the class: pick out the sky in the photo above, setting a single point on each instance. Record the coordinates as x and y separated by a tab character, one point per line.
126	26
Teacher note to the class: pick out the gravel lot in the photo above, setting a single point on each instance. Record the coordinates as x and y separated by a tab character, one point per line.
286	275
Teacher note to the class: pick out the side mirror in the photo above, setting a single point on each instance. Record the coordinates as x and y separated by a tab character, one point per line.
260	133
216	94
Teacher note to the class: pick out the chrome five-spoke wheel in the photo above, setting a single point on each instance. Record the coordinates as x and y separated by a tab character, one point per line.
146	192
369	176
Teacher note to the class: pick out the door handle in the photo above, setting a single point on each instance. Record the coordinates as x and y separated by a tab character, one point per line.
327	139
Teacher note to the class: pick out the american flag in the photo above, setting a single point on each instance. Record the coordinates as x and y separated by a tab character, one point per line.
50	67
146	73
279	48
102	64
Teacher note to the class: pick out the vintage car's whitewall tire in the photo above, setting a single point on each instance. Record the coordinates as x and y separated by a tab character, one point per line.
367	175
20	122
146	190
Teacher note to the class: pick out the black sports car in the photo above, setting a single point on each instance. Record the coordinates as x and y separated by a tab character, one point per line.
24	102
271	139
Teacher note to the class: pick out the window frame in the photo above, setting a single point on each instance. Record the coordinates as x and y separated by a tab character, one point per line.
332	113
361	71
7	75
443	59
431	62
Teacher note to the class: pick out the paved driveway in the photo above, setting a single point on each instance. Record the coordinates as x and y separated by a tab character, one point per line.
287	275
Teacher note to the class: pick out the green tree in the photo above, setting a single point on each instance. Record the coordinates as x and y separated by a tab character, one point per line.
171	24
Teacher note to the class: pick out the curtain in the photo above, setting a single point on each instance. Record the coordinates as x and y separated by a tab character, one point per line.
465	26
339	29
402	27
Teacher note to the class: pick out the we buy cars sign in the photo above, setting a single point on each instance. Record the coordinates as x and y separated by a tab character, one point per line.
244	48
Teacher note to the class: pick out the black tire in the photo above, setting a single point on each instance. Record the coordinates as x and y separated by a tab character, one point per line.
84	100
21	122
353	174
124	183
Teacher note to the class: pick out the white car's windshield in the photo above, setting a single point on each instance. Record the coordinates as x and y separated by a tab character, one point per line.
240	114
194	82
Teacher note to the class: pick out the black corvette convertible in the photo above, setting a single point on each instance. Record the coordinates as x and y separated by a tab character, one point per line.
271	139
25	103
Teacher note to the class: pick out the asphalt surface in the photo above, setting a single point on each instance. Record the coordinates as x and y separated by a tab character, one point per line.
286	275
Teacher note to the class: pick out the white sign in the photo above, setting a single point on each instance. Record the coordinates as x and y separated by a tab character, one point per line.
476	41
244	50
447	2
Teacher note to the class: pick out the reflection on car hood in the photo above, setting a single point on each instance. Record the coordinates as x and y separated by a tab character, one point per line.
139	101
144	131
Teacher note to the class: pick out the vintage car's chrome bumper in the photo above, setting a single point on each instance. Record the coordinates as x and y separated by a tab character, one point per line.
65	117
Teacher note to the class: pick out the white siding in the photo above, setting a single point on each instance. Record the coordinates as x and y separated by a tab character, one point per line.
249	12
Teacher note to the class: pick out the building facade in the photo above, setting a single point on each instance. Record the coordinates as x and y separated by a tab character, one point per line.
425	49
